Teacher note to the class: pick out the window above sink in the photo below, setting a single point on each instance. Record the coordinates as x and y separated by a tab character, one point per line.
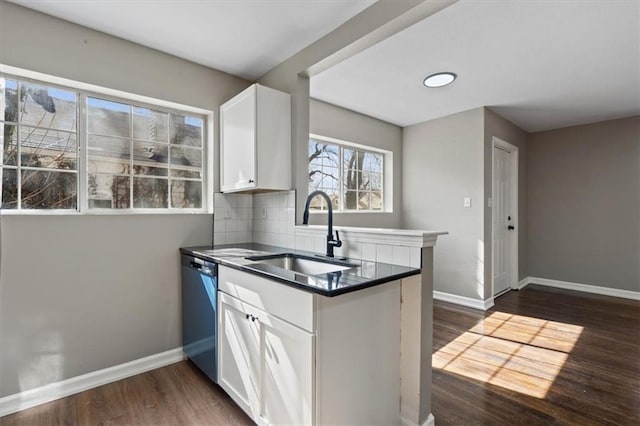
355	177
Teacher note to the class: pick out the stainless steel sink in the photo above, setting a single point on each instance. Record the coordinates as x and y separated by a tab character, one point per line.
233	252
302	264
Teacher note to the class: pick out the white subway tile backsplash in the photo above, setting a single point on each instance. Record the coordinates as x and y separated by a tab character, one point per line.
369	252
245	201
218	213
233	200
220	226
269	218
401	255
219	238
234	225
221	201
415	257
319	245
231	238
384	253
300	242
354	250
338	251
233	218
257	237
290	241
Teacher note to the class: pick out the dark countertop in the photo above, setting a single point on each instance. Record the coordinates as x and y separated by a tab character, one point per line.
365	274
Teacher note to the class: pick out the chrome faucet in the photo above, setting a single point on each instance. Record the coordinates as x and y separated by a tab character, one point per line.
331	243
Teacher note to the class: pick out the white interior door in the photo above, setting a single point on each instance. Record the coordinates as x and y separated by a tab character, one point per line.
503	221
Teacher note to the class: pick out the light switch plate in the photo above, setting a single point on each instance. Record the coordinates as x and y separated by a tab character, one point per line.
467	201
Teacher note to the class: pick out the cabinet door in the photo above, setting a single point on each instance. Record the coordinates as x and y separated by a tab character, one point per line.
238	142
238	353
287	370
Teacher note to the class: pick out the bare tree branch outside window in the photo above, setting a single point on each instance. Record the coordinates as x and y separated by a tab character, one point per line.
351	177
40	155
138	157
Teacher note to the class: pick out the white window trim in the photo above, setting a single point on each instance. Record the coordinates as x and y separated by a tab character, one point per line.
387	175
87	89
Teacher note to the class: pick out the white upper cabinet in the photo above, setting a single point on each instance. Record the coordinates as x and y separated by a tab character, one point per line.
255	141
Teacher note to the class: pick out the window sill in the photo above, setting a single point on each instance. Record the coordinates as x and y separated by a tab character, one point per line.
341	212
4	212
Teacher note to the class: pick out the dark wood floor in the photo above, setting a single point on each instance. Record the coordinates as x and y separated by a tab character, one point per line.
178	394
541	356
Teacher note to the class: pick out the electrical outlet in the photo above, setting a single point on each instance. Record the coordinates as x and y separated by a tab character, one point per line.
227	213
467	201
263	213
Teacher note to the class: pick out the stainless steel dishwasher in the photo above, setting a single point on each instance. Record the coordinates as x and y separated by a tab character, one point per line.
199	309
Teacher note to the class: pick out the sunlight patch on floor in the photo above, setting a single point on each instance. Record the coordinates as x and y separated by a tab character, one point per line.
519	353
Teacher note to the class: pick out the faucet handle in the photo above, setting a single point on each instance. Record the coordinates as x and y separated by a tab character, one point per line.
338	243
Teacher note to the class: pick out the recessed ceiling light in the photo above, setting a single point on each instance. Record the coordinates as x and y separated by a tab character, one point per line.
439	79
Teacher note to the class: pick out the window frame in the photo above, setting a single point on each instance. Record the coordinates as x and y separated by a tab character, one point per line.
387	175
84	91
19	167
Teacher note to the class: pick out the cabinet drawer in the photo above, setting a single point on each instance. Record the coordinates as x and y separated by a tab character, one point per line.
290	304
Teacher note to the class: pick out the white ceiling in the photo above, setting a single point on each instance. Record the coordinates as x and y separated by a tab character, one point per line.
540	64
242	37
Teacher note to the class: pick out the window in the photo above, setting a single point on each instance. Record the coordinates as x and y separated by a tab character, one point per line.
142	158
39	149
352	176
138	157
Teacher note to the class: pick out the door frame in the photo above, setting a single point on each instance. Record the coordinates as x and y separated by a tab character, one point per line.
513	151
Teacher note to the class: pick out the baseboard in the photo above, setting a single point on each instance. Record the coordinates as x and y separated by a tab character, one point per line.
522	283
429	422
52	391
586	288
482	305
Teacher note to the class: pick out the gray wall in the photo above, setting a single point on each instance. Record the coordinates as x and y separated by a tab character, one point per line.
374	24
63	49
445	160
495	125
442	164
81	293
336	122
584	204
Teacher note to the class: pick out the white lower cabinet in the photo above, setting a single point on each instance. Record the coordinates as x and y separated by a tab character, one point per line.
266	364
238	353
290	357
